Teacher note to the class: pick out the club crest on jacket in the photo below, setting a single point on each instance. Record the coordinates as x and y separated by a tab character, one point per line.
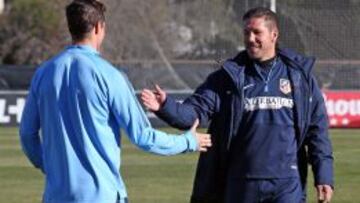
285	86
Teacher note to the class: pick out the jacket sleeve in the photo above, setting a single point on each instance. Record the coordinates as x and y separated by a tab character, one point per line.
317	139
202	105
131	117
29	131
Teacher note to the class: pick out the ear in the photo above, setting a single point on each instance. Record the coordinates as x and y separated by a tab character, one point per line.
275	35
99	26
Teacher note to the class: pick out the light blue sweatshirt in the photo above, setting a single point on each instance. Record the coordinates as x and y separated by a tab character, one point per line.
80	102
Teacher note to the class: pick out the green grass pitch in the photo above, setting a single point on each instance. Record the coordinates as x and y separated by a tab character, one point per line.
155	179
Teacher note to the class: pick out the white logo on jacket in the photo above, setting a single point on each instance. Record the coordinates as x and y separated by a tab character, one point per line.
263	103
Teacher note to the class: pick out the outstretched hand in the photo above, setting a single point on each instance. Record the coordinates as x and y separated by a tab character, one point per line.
203	139
153	99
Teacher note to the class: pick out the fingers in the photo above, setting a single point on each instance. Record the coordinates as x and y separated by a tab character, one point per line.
161	93
147	95
158	89
204	141
325	193
320	193
149	100
328	193
195	125
148	105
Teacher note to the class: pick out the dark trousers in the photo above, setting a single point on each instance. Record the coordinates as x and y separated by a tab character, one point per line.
263	190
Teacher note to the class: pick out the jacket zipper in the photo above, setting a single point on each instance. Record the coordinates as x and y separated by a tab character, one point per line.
239	91
231	131
303	117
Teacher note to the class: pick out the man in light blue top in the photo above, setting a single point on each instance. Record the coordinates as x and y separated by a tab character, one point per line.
80	102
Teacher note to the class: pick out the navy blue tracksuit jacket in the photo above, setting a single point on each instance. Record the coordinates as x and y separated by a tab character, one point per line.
219	101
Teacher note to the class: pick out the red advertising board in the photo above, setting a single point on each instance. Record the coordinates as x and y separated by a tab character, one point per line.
343	108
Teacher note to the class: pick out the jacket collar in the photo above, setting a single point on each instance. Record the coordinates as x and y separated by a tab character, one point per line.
294	60
235	67
299	62
85	48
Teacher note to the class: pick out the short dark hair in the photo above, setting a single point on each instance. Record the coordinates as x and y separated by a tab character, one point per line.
82	16
259	12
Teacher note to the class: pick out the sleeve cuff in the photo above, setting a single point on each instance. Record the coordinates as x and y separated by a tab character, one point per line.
166	106
191	142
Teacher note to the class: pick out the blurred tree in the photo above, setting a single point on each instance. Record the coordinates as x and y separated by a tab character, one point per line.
132	28
31	31
159	29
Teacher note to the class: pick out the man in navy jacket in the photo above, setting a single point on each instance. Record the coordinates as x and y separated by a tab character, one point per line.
267	119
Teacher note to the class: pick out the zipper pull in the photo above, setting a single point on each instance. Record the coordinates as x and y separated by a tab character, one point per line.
266	89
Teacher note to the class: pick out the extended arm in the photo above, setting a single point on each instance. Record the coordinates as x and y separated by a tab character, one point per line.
132	118
202	104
